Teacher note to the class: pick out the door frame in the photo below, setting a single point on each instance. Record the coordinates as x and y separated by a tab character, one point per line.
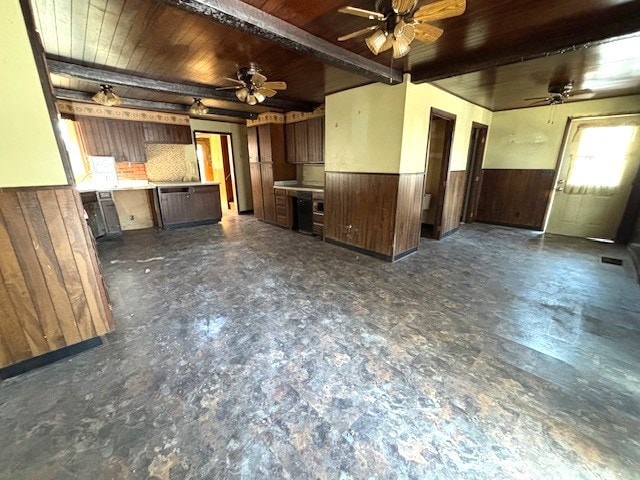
232	164
446	162
556	174
474	169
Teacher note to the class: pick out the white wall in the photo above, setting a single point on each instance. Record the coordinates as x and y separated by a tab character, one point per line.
29	154
415	134
524	138
240	165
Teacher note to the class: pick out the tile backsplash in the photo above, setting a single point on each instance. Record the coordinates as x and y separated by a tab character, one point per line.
170	163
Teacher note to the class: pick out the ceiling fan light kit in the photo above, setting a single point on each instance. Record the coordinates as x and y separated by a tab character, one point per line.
198	108
402	22
252	87
107	97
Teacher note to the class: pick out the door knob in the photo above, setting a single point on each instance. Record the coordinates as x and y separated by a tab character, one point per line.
560	185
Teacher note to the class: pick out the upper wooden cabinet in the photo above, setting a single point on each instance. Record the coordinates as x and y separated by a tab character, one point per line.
121	139
254	148
305	141
163	133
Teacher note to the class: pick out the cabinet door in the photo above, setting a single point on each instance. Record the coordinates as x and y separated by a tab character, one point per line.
175	205
95	134
301	142
256	190
284	215
264	142
268	197
205	203
315	140
252	139
290	142
163	133
127	141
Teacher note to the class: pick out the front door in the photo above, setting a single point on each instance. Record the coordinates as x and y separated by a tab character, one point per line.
598	166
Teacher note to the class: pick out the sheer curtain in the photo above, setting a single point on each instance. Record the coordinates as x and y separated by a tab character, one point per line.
599	155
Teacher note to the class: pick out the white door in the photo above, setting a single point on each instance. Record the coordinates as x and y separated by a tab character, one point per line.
599	164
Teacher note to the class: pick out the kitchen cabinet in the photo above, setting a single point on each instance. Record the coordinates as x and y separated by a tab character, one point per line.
305	141
101	210
284	208
268	164
121	139
188	205
169	134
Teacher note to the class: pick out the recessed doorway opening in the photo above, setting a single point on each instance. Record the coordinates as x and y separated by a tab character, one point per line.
215	161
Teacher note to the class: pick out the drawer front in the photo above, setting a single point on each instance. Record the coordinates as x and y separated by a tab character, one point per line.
318	229
318	218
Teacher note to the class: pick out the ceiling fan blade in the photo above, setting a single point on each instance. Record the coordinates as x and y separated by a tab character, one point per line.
357	33
360	12
583	92
275	85
229	88
258	79
234	80
427	33
267	92
440	9
536	98
403	6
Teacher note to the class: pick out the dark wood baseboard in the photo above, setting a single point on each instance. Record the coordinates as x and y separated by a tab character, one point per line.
450	232
353	248
49	358
402	255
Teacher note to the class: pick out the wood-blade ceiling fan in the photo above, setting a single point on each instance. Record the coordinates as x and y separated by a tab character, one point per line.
253	87
558	93
399	22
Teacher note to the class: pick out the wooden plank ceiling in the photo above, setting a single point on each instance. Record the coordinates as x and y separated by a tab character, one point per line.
153	39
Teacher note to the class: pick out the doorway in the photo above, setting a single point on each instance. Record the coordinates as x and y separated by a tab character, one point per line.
215	160
441	128
477	144
598	165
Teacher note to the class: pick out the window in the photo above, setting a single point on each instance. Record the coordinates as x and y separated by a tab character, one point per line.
599	161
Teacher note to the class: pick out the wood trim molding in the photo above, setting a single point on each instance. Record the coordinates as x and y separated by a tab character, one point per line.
286	118
120	113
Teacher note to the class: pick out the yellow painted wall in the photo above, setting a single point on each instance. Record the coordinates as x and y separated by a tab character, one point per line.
524	138
240	164
415	134
363	129
29	155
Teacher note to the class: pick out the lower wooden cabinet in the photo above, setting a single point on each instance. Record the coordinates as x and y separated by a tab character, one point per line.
284	208
256	190
181	206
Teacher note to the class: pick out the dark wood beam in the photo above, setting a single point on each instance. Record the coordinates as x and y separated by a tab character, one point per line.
254	21
100	75
583	31
77	96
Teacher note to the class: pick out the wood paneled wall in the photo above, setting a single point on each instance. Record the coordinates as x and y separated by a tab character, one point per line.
51	290
515	197
408	212
453	201
374	212
121	139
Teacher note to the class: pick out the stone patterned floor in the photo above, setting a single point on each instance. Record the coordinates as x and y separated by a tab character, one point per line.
253	352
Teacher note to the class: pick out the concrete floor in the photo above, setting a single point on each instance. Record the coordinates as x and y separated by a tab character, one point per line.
248	351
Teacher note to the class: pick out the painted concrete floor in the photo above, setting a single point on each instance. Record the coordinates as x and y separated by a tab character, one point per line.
250	352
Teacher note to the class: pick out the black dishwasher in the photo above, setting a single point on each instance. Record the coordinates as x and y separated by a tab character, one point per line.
304	212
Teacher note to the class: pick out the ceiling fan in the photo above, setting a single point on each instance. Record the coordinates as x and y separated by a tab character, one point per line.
253	87
558	93
399	22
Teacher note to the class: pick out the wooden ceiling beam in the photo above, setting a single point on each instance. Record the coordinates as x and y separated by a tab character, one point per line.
249	19
77	96
110	77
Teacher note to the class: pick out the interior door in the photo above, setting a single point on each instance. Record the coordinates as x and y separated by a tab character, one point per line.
474	172
597	169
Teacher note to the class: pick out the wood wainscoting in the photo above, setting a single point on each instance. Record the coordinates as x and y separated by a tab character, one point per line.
51	289
453	202
376	213
517	198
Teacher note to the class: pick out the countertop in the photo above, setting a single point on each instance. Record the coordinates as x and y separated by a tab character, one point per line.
298	186
146	186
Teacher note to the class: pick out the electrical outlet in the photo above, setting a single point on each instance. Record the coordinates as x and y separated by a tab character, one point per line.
131	217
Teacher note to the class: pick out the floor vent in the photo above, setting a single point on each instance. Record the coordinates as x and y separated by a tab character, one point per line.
611	260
